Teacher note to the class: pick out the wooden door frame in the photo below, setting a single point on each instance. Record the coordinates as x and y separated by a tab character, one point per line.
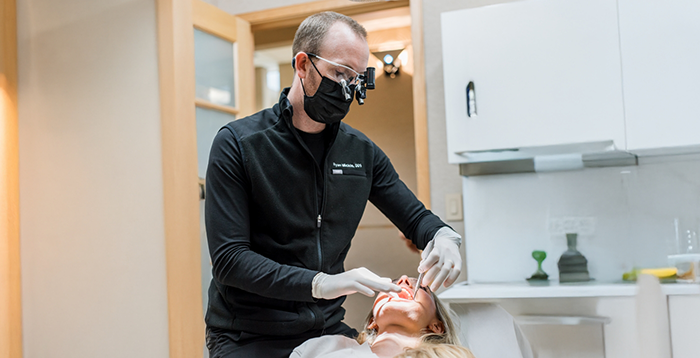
287	16
10	279
177	20
180	180
214	21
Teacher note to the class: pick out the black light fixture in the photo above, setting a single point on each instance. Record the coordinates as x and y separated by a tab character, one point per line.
390	60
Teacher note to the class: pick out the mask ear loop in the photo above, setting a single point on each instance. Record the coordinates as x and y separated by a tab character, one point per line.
347	92
309	55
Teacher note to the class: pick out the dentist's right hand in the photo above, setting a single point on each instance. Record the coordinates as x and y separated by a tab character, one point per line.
360	280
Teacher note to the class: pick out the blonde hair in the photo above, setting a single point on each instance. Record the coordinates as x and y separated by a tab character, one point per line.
428	350
444	315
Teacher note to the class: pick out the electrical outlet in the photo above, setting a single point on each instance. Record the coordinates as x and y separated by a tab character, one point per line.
570	224
453	203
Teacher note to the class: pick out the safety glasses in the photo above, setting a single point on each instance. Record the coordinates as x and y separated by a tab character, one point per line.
338	72
413	282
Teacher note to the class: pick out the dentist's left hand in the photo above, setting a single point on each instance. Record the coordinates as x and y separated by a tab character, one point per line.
360	280
441	260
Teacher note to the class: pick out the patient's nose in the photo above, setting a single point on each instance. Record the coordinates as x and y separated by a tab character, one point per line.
405	281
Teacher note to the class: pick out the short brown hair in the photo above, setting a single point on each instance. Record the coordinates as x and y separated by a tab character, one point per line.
312	31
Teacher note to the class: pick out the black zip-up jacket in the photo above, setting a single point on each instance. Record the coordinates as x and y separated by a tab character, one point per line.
267	235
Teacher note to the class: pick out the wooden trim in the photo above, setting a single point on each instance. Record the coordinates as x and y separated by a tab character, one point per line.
211	19
294	14
10	279
180	181
217	107
245	69
420	108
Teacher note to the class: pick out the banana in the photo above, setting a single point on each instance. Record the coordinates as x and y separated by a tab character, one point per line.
663	272
666	274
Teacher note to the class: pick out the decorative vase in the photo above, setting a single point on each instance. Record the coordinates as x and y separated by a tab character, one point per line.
540	275
573	266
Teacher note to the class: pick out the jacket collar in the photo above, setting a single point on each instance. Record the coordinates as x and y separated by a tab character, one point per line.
283	107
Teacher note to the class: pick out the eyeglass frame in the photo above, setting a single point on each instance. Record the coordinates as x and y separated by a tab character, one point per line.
355	81
413	279
365	81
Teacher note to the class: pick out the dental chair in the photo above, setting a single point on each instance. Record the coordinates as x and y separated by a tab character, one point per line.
489	331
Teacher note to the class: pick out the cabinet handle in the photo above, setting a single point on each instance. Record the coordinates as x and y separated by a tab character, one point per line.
471	100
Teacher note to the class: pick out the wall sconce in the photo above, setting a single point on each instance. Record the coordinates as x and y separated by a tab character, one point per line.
390	61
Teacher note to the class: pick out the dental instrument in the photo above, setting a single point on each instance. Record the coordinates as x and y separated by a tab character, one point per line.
418	283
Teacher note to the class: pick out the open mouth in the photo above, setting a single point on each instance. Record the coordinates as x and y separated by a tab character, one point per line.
406	293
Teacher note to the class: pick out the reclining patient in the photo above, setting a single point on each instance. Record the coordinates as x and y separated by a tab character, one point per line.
396	323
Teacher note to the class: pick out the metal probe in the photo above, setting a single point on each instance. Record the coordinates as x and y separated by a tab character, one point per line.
415	289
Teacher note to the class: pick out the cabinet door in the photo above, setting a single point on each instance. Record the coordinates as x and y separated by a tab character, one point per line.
660	46
684	314
545	72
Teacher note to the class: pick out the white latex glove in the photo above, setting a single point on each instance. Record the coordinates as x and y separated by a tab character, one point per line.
359	280
441	260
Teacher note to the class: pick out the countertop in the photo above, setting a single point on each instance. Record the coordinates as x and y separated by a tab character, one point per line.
466	292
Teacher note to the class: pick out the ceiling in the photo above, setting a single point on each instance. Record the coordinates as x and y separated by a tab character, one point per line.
386	29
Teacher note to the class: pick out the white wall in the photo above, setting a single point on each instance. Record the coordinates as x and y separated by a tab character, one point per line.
92	237
632	208
507	216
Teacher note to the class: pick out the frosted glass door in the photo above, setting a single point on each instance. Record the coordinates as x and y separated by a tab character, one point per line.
208	124
215	107
214	69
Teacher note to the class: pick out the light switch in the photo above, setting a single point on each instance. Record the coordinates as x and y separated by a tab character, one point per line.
454	207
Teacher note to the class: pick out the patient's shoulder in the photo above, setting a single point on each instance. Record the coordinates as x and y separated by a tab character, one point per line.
331	346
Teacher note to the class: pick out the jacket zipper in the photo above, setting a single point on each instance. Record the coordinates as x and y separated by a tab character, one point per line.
319	218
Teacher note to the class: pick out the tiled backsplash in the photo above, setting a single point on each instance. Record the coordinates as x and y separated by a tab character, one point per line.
627	216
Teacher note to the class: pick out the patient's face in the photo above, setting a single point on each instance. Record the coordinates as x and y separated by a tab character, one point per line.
401	310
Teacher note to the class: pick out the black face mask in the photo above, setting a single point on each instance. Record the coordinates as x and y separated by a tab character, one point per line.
329	104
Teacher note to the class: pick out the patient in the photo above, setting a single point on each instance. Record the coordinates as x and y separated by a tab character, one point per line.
397	322
428	350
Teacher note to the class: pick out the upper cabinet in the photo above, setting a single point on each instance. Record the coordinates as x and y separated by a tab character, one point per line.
660	47
600	75
530	74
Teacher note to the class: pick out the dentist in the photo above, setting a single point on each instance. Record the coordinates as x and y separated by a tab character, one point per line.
286	189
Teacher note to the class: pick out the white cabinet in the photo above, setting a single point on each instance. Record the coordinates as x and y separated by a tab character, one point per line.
562	72
684	318
545	72
660	46
590	319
